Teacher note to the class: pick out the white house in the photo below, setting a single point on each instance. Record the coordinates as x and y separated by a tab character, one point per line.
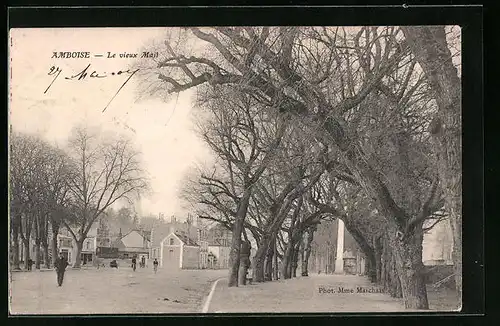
135	243
437	246
219	257
176	250
219	242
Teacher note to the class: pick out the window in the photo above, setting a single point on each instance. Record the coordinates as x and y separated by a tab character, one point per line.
171	241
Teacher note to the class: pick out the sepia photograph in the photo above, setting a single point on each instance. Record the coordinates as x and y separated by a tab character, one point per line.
243	169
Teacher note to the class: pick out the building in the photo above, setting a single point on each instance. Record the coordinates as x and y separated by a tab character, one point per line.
66	245
135	243
219	246
204	249
173	245
103	232
437	246
212	245
177	250
348	258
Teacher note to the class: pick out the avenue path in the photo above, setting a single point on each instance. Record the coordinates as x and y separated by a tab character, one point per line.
111	291
316	293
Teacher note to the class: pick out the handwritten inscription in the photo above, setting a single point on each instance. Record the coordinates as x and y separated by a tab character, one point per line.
89	73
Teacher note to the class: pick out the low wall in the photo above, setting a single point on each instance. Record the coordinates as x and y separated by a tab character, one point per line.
434	274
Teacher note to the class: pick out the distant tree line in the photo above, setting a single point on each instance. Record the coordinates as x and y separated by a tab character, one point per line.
68	187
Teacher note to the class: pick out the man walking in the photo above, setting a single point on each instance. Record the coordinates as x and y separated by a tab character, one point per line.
155	265
30	264
60	266
134	263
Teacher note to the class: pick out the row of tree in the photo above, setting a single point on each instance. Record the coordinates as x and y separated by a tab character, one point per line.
313	123
70	187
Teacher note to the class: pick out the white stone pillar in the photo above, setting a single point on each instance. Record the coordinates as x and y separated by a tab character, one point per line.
161	254
181	255
339	261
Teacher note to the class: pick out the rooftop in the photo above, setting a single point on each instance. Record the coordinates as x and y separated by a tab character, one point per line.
185	238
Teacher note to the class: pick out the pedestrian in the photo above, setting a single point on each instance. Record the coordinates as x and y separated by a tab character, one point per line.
155	265
30	264
143	261
134	262
60	266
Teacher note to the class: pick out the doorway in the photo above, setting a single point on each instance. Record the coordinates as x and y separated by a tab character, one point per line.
86	258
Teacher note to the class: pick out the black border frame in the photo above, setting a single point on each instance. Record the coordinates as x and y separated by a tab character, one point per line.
470	18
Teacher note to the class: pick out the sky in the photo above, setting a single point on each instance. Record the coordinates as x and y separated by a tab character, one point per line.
162	130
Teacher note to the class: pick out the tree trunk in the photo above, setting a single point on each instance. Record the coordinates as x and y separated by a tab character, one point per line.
456	227
234	256
45	246
394	283
384	261
37	253
408	253
408	260
287	260
275	258
15	248
370	270
21	252
378	259
242	275
371	267
268	269
245	251
79	247
431	50
260	257
307	253
26	243
271	233
55	250
365	246
44	240
295	259
390	278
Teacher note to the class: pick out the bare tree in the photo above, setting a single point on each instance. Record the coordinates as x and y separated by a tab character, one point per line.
244	139
104	171
286	65
57	199
433	54
28	155
38	180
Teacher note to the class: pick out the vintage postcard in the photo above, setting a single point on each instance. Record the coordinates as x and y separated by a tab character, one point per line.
278	169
